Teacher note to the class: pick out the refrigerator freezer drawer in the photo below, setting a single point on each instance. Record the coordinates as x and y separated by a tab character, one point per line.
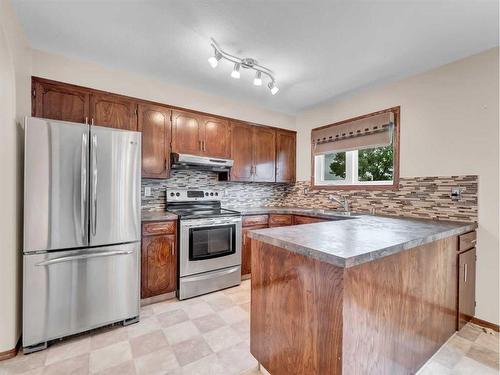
67	292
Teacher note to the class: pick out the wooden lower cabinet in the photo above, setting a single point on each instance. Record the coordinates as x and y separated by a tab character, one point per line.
158	265
246	249
466	286
298	219
280	220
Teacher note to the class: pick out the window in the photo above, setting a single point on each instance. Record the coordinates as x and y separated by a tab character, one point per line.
358	152
358	167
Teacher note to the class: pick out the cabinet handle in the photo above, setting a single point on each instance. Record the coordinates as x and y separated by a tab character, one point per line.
92	121
465	273
172	251
204	145
86	120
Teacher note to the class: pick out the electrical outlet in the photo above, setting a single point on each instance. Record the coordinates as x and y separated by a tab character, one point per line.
456	193
147	191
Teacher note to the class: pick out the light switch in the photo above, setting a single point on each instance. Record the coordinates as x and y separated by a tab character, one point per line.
147	191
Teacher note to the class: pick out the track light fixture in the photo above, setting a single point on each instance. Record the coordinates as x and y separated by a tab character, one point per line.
246	63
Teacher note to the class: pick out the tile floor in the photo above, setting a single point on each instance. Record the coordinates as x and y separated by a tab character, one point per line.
209	335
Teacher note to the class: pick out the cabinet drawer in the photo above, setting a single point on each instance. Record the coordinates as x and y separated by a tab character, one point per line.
280	220
467	241
159	227
297	220
255	220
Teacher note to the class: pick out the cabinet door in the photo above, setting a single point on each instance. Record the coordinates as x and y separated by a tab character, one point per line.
298	220
216	137
466	286
154	123
280	220
242	152
113	111
285	156
60	102
159	265
246	249
264	155
186	133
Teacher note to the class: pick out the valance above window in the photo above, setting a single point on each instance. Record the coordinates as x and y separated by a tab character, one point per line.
369	132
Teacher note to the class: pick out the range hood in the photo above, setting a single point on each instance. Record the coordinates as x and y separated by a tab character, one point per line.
204	163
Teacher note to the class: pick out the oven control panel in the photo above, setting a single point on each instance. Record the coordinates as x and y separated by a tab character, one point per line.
190	195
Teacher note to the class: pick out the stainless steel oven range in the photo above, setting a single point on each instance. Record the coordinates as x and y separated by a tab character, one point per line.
209	242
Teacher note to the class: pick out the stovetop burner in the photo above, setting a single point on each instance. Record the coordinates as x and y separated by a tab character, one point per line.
197	204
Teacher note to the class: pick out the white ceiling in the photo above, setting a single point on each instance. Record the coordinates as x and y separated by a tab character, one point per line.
318	50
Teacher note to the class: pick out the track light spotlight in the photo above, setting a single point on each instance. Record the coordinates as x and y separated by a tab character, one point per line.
236	71
257	81
274	89
214	60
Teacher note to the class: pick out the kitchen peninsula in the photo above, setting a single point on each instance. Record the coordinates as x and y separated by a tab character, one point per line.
366	295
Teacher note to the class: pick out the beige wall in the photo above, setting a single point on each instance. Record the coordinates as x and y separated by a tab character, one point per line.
14	68
449	126
57	67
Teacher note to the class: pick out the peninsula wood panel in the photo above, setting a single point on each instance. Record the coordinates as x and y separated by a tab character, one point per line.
296	312
154	123
113	111
285	156
158	265
400	309
59	102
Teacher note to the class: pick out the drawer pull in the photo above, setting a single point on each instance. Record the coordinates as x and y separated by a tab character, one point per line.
465	273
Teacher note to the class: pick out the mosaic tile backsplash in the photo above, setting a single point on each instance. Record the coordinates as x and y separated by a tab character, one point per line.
419	197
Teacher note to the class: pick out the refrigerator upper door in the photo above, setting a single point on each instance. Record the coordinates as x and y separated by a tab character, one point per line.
55	185
115	186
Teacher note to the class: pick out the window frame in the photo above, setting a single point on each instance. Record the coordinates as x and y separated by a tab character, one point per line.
363	185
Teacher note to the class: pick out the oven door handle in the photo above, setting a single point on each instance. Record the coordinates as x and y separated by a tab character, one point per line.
210	224
210	275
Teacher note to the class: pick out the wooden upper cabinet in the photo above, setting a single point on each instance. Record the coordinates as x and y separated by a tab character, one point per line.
195	134
59	101
264	154
285	156
186	133
216	137
113	111
242	151
154	123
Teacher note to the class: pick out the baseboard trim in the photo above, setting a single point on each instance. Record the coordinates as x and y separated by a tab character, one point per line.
485	324
10	353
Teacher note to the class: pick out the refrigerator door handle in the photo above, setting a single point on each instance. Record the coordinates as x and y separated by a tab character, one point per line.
94	187
83	187
84	256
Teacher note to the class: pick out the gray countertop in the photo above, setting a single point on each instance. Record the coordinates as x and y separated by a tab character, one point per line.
157	216
357	240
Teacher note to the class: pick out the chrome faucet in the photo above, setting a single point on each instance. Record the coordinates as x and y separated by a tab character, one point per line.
343	201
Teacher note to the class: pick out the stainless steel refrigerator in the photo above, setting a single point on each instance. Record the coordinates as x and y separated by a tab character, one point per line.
81	229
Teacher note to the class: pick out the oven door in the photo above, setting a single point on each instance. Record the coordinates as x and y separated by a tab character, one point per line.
209	244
